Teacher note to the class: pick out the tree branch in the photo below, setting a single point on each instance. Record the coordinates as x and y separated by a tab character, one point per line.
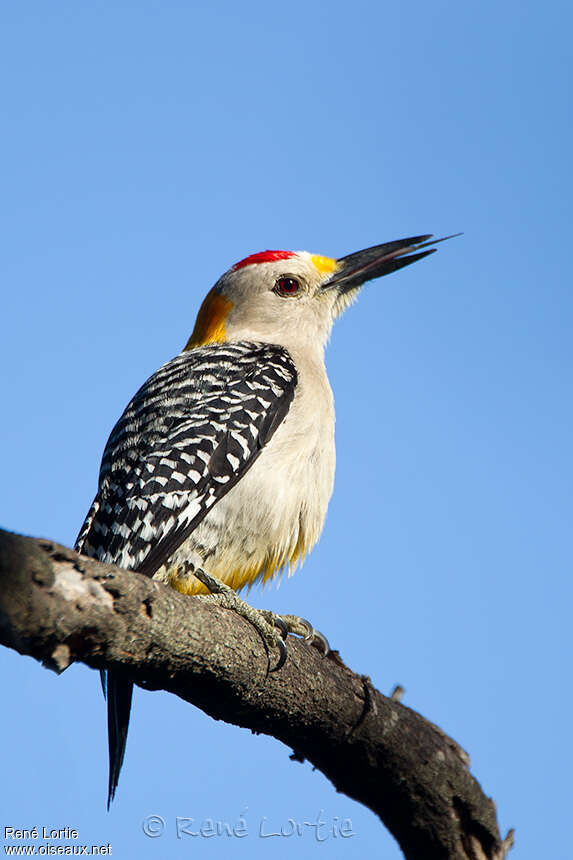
60	607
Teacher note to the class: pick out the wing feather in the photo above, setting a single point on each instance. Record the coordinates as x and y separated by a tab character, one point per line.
189	434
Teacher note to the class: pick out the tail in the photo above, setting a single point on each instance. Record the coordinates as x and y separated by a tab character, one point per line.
118	690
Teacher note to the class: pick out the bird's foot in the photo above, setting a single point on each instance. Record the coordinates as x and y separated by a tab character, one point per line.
272	628
222	595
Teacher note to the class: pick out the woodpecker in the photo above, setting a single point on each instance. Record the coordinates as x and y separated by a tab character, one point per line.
220	470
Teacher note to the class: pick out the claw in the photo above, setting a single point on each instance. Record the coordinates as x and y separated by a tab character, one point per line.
315	637
319	639
282	625
283	655
310	631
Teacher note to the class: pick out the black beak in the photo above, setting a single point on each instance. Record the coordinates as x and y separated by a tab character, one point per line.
354	269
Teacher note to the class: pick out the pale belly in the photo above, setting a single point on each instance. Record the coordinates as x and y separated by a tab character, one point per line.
273	516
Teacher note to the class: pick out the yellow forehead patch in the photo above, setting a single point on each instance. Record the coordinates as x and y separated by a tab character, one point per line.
211	319
325	265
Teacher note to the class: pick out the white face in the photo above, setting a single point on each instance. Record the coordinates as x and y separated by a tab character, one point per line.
283	299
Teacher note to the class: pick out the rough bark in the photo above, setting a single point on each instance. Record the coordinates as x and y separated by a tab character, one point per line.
60	607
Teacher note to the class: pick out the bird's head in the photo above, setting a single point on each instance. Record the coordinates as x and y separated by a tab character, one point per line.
285	296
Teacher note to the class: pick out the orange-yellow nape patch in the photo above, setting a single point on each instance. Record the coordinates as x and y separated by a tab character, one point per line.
325	265
210	324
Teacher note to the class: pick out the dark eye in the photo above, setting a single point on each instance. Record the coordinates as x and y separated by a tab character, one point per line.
287	286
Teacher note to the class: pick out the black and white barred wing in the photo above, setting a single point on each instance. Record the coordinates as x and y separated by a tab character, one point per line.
188	435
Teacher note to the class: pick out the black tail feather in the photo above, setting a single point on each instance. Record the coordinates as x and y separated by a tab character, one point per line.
118	689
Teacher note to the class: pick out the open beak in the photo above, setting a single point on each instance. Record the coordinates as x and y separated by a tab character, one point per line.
354	269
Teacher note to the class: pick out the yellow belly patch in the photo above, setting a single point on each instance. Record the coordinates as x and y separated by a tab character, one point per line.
241	577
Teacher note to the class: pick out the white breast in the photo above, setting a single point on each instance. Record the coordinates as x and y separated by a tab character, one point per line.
275	513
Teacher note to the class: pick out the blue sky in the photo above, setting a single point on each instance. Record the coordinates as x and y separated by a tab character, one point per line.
148	146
